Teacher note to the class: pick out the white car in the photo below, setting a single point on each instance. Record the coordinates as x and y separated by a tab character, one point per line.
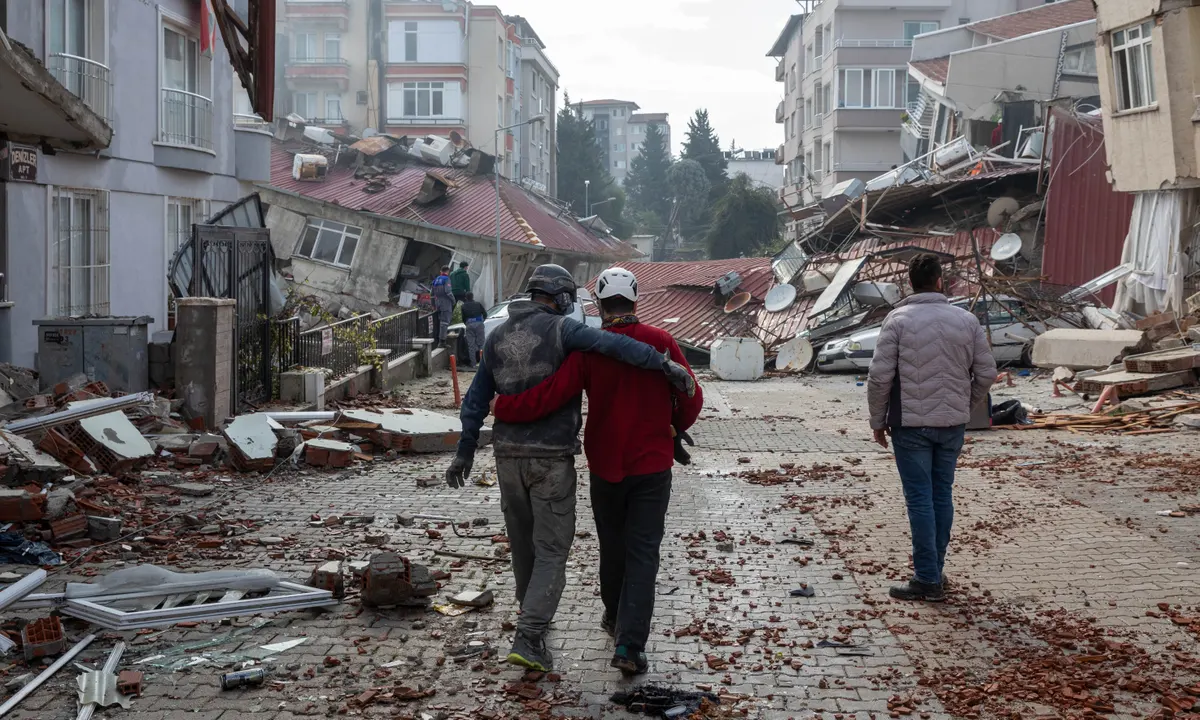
499	313
1011	339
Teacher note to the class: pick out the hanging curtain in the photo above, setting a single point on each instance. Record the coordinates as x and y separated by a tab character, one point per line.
1163	224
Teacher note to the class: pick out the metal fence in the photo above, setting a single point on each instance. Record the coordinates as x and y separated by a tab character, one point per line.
396	332
86	79
337	347
186	119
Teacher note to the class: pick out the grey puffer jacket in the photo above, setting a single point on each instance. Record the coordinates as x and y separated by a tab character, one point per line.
932	364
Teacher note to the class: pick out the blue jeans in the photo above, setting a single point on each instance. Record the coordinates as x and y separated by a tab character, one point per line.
925	457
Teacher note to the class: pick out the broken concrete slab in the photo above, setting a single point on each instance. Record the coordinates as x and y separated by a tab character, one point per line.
103	529
415	430
252	442
1129	383
1163	361
328	453
1084	349
193	489
110	440
1189	421
33	465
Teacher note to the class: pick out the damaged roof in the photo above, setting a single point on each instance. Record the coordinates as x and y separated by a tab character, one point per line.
468	207
936	69
1034	20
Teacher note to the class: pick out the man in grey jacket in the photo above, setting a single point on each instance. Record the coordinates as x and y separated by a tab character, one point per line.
932	364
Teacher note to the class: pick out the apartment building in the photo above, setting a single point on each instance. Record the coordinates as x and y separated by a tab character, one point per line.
762	167
325	63
844	65
90	225
537	93
621	132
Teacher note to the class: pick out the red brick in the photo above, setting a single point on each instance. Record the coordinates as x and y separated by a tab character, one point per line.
129	682
23	508
42	637
316	456
69	528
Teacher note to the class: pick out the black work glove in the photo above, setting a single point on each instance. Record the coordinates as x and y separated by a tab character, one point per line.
460	468
679	376
682	456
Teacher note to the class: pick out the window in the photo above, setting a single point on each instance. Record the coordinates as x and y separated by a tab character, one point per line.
329	242
333	107
918	27
186	116
619	147
619	164
1133	63
181	214
620	131
808	113
424	99
820	96
80	255
884	85
333	46
912	90
305	105
852	88
500	53
410	42
1080	61
304	49
828	157
827	99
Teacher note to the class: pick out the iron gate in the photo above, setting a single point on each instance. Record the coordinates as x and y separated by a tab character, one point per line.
235	263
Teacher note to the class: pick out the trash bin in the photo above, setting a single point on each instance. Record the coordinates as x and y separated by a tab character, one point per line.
112	350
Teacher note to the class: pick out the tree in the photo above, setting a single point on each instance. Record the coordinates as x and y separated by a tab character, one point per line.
745	221
703	146
689	188
580	159
646	182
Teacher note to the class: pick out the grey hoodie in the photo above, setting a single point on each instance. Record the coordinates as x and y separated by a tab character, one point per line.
932	364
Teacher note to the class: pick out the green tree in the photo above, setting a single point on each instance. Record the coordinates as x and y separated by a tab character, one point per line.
646	182
582	175
745	221
703	146
689	188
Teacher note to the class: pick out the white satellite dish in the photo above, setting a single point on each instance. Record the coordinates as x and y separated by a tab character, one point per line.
795	354
780	298
1006	247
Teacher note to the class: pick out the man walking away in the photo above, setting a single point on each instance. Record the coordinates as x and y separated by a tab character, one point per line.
443	300
932	364
473	316
630	449
460	282
535	462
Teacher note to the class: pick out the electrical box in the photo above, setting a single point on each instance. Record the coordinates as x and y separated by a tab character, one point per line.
112	350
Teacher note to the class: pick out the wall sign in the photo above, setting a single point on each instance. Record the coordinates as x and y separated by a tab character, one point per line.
18	163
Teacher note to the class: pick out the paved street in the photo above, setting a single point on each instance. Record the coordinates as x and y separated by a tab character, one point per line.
1070	595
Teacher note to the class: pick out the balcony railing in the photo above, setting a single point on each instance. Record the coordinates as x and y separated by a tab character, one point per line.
852	43
426	121
249	122
318	61
86	79
186	119
780	112
325	120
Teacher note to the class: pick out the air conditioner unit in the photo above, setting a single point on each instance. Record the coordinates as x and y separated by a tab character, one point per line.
361	97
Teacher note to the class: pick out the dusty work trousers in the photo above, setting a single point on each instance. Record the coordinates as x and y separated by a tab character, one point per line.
474	341
537	496
444	311
630	520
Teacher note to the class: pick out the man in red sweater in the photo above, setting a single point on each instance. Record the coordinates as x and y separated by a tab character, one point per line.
630	447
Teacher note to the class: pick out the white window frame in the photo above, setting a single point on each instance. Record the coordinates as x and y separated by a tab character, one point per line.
343	233
173	207
412	39
850	102
890	85
431	90
204	67
310	104
70	244
336	40
1124	51
310	44
923	26
330	116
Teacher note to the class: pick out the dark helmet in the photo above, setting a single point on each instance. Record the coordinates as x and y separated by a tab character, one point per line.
555	282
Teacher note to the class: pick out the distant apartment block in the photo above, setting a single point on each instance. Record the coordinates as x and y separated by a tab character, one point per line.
621	132
415	67
844	68
762	167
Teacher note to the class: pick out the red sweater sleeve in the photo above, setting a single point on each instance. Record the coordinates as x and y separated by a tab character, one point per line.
687	409
547	396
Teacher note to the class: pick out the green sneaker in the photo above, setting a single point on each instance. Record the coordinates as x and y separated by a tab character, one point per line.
530	652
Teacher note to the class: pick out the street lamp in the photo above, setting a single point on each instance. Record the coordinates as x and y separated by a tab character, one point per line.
587	205
499	276
596	205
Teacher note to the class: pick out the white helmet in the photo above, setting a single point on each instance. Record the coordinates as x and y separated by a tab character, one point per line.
615	282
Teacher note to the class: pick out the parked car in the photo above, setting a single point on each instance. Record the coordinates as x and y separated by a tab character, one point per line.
499	313
1012	327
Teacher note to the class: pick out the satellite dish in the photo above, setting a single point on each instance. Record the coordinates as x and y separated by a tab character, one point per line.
1007	247
1001	210
780	298
737	302
795	354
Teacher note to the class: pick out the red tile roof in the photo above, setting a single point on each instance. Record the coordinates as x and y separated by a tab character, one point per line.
469	206
1038	19
935	69
677	297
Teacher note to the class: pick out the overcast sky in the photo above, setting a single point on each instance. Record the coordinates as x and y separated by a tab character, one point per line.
670	56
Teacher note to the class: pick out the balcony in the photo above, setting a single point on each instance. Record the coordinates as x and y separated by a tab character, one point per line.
780	72
327	13
305	72
186	119
851	43
87	80
242	121
780	112
779	156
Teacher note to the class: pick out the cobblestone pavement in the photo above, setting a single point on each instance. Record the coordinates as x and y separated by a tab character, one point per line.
1058	554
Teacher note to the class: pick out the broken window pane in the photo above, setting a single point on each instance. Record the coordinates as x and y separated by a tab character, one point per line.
348	247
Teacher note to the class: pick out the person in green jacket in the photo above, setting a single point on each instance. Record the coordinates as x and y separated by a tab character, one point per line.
460	282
